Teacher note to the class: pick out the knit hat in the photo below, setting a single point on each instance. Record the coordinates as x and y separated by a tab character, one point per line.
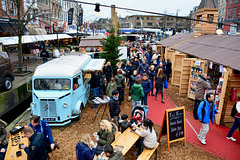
115	92
119	71
140	112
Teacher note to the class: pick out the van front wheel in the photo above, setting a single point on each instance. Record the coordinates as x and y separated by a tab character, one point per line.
8	83
80	112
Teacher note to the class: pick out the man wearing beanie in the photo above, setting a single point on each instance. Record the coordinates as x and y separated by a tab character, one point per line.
120	81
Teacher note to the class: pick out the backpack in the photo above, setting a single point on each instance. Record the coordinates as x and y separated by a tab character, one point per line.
234	110
195	111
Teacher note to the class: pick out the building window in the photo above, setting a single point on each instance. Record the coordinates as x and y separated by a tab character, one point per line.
149	24
160	24
12	7
4	6
210	17
228	14
235	1
199	18
47	2
167	18
147	18
138	23
221	19
219	10
137	18
234	12
158	18
43	1
161	18
39	1
171	18
222	10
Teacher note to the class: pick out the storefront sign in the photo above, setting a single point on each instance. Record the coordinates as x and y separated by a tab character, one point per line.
80	19
70	16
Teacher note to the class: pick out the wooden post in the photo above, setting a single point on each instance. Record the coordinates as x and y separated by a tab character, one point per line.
114	18
222	96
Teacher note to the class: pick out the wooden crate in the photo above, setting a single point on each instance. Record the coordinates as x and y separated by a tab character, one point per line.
176	68
185	76
196	73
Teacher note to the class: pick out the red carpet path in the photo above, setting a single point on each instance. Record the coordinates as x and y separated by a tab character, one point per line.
217	144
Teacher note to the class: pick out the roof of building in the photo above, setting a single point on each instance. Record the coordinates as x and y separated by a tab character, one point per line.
224	49
178	38
207	4
65	66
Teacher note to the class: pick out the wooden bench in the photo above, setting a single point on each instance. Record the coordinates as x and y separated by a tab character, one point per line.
147	153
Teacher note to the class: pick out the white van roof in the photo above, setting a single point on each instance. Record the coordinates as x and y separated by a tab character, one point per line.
65	66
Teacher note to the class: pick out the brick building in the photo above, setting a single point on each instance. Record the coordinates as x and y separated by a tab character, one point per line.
232	15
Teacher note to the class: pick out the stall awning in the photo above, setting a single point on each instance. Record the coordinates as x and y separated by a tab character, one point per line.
94	65
224	49
10	27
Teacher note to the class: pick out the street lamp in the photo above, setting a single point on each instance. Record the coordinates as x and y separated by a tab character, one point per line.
56	28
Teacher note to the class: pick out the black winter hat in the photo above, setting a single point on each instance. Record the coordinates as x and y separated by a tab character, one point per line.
115	92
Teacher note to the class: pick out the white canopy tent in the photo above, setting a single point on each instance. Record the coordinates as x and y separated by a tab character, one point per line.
32	38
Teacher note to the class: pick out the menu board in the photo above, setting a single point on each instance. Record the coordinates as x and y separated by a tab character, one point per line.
174	125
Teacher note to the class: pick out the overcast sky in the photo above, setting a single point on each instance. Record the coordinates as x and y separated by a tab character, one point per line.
169	6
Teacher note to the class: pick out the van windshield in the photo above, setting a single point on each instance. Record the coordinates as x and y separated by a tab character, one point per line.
52	84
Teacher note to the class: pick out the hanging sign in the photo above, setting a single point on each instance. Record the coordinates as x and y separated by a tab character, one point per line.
80	19
211	65
198	63
70	16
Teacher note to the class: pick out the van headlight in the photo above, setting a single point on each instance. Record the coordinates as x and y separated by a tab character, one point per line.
65	105
32	104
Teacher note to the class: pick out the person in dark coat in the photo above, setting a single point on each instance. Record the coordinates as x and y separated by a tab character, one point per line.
44	55
37	149
109	152
96	54
95	84
143	68
152	74
120	81
86	148
137	63
108	71
168	70
159	81
3	141
114	108
133	68
147	87
124	123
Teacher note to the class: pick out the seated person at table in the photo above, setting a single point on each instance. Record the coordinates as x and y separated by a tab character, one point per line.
137	118
86	148
41	126
37	148
109	152
104	136
114	108
124	123
3	141
148	136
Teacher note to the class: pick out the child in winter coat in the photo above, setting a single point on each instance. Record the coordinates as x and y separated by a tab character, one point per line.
147	87
124	123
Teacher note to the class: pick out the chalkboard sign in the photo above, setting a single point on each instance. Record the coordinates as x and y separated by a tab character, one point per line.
174	125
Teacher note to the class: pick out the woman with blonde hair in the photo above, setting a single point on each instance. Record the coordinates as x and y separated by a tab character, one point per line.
111	86
85	148
159	81
104	136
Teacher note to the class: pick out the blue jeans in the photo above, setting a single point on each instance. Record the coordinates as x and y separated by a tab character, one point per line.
144	100
234	127
135	103
95	92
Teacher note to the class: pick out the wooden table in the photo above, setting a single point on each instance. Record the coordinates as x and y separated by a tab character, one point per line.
125	141
13	147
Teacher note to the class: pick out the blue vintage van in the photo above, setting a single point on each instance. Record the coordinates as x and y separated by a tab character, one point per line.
60	88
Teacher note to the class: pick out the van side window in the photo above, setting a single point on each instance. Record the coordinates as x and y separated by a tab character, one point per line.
75	83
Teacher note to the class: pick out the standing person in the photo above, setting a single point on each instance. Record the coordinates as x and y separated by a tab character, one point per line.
37	149
102	89
143	68
148	136
237	121
128	68
95	85
3	141
45	55
41	126
133	68
104	136
147	87
168	68
201	86
85	148
132	80
108	71
152	74
114	108
137	63
159	81
154	58
137	92
111	86
206	113
120	81
96	54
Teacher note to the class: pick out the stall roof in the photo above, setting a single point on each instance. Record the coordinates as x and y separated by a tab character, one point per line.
90	43
176	39
224	49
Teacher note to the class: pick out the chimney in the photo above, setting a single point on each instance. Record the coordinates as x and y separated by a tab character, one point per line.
207	11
